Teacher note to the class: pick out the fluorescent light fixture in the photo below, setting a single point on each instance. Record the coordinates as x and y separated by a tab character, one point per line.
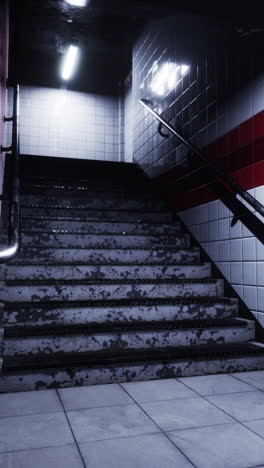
69	62
184	69
80	3
167	77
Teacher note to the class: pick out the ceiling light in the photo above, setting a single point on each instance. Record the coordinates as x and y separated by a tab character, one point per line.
80	3
167	77
69	62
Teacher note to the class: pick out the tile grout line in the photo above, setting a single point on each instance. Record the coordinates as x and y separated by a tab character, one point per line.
29	414
119	437
150	401
252	385
35	448
71	429
160	429
194	396
235	419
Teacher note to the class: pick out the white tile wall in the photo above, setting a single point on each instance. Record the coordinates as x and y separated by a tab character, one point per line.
234	249
58	122
128	125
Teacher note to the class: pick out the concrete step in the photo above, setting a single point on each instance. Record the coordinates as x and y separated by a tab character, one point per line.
129	367
95	214
103	201
133	337
47	224
26	291
43	314
62	239
106	256
101	272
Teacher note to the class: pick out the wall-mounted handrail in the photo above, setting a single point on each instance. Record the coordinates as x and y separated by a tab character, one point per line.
227	179
11	250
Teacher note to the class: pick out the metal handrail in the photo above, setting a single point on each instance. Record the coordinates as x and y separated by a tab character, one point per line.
199	155
12	248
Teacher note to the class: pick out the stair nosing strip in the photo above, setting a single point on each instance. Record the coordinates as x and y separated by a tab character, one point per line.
124	302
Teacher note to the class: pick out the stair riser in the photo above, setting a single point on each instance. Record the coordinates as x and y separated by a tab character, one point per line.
100	227
83	316
108	201
123	341
94	240
101	256
107	272
53	378
159	217
111	292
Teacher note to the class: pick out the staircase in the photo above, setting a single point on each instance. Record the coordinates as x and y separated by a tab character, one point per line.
107	288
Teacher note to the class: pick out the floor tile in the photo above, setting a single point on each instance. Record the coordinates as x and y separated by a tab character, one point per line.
244	406
255	378
185	413
94	396
154	390
215	384
34	431
256	426
222	446
110	422
145	451
21	403
65	456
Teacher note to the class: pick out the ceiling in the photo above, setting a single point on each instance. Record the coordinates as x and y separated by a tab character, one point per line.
105	30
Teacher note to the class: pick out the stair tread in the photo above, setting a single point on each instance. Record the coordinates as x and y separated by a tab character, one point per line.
150	248
128	190
98	264
123	302
66	360
97	220
102	265
121	234
110	281
83	207
117	327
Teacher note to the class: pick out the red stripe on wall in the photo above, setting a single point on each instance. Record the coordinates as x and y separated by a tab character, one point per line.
248	177
241	136
239	153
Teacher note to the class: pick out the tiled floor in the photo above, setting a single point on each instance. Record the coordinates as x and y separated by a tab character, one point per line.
205	422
